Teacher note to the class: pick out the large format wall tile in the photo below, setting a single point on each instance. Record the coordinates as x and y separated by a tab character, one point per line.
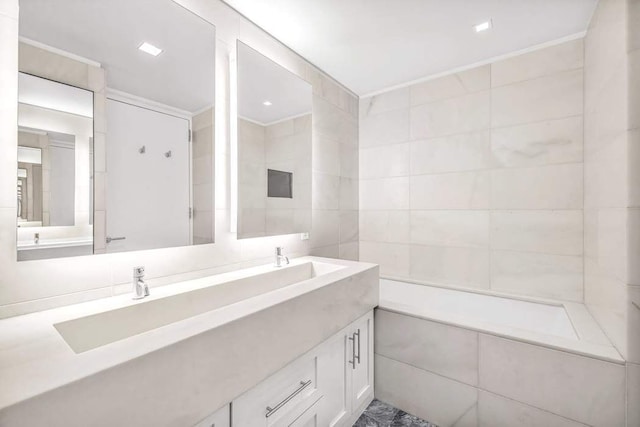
385	128
456	115
451	265
580	388
384	162
454	153
549	187
384	102
495	173
497	411
450	228
538	144
554	59
435	347
468	190
407	388
633	394
550	232
392	257
386	193
451	86
543	275
385	226
550	97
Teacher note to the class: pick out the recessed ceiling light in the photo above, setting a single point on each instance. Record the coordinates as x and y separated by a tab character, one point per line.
150	49
267	103
483	26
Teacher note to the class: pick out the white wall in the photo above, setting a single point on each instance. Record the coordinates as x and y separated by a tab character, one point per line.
475	179
34	285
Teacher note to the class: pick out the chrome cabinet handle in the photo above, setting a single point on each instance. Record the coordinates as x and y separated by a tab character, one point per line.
352	338
358	356
271	411
111	239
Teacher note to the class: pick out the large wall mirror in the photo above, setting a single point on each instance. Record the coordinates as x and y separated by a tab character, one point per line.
115	127
274	148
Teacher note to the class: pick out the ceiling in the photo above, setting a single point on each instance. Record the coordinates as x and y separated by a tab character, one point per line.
109	32
370	45
260	80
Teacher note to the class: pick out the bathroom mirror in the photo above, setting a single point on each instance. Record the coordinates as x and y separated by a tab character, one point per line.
274	147
119	98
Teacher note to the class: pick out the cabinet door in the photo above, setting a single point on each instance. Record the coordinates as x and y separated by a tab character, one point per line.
220	418
361	344
333	381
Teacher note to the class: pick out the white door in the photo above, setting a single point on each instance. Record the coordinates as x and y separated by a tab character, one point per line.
147	192
362	368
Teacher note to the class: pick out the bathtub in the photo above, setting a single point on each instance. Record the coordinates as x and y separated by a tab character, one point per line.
471	358
563	325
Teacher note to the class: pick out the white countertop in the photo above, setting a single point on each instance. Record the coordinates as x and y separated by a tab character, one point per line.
34	358
54	243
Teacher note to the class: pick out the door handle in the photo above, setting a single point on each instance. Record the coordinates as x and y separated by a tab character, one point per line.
111	239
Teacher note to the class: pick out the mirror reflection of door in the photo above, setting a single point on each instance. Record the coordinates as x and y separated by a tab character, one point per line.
148	157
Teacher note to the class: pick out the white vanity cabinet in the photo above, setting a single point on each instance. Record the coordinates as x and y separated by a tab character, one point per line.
220	418
360	377
328	386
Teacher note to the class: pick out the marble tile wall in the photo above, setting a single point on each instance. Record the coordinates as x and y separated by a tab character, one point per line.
37	285
476	179
612	165
458	377
203	173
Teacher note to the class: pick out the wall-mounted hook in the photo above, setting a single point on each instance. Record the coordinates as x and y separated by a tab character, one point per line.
167	154
142	150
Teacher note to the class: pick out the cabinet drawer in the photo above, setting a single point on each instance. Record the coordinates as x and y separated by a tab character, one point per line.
284	396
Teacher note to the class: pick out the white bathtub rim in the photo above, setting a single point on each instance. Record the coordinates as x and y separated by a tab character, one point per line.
591	343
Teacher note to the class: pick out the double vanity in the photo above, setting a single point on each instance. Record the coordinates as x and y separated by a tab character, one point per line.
260	346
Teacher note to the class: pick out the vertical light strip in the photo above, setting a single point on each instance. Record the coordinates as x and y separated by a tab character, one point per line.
233	139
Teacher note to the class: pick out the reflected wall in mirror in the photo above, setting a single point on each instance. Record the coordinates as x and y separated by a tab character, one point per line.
125	127
274	148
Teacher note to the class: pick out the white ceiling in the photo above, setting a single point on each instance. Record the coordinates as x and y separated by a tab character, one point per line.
370	45
260	80
109	32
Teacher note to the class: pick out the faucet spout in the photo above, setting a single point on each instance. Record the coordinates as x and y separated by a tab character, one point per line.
140	287
280	259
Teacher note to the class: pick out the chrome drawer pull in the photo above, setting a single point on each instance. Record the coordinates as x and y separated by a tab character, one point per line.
271	411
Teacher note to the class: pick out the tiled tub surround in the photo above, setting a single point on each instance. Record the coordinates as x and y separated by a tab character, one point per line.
38	285
475	179
177	374
457	370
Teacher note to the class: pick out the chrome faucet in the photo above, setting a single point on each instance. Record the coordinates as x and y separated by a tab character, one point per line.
280	259
140	288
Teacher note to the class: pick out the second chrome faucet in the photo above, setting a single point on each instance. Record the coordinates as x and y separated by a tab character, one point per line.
280	259
140	288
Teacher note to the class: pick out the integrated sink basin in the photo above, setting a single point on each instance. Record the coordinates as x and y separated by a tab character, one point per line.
190	299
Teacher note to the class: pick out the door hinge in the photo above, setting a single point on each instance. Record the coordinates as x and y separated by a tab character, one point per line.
190	212
189	135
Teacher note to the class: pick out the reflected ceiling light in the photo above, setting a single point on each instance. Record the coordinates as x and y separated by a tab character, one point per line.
483	26
150	49
267	103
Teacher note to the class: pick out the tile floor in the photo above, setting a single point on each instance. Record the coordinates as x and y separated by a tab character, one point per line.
380	414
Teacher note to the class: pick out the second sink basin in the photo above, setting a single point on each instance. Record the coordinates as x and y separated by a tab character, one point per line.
89	332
